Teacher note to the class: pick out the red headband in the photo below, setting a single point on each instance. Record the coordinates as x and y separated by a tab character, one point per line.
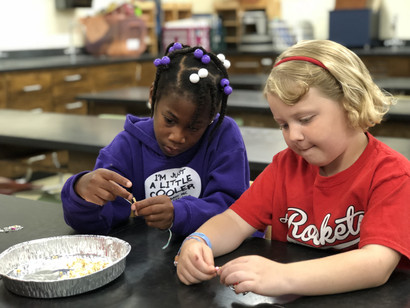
301	58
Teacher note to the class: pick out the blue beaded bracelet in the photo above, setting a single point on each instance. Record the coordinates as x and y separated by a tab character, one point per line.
194	236
202	236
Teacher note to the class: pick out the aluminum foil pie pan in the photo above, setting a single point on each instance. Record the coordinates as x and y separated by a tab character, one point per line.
63	265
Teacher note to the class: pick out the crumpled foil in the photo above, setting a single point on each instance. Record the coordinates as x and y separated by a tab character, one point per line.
37	268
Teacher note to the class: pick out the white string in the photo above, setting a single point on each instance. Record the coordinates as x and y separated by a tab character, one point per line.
169	237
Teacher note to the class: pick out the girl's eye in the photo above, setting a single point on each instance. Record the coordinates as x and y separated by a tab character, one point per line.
306	120
168	120
283	126
193	129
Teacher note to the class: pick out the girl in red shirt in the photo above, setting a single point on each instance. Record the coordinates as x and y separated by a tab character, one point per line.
335	186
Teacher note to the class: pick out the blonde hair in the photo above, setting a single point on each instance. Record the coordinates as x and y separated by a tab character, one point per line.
346	80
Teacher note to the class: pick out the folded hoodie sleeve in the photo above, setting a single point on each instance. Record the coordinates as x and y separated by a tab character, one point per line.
87	217
226	180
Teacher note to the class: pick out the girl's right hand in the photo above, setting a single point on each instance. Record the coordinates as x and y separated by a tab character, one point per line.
102	185
195	262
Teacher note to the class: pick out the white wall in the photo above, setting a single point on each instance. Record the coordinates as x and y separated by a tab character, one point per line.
317	12
36	24
314	11
390	9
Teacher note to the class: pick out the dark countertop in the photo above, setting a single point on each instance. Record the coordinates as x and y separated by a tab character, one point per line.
149	278
240	99
244	100
373	51
64	61
88	134
383	51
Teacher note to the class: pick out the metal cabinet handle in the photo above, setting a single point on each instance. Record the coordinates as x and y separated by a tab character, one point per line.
74	105
72	78
266	62
32	88
37	110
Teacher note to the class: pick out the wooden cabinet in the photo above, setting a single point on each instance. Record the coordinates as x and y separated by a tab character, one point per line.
145	73
113	76
2	91
391	66
67	84
29	90
54	90
109	77
250	64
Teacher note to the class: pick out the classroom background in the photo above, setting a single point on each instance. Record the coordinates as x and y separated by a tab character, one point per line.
70	70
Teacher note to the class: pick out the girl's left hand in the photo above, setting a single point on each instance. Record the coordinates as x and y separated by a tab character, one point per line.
253	274
158	211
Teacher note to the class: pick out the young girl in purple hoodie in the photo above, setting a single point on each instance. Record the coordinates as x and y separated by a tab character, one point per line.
176	169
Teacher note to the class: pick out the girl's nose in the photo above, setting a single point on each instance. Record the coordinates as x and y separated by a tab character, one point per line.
295	133
177	135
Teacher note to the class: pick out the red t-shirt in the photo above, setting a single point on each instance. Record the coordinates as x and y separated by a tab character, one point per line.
368	203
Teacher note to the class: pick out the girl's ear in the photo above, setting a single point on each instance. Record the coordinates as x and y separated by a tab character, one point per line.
151	90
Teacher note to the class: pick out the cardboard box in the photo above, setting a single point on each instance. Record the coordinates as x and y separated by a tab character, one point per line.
357	4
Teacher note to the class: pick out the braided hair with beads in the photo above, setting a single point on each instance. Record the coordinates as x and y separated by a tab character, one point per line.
174	76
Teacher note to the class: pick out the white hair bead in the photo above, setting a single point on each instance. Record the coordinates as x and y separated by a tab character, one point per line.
221	57
194	78
227	64
203	73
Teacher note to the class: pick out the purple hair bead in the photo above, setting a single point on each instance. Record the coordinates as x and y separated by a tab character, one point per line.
198	53
157	62
228	90
205	59
165	60
177	45
224	82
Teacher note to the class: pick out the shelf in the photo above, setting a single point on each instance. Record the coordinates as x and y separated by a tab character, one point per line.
149	15
175	11
231	15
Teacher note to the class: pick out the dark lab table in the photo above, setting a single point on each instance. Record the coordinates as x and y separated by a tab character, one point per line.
41	59
258	81
149	279
88	134
394	84
131	100
400	111
129	95
248	81
239	100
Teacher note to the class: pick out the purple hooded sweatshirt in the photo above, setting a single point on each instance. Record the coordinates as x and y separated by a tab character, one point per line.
201	182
